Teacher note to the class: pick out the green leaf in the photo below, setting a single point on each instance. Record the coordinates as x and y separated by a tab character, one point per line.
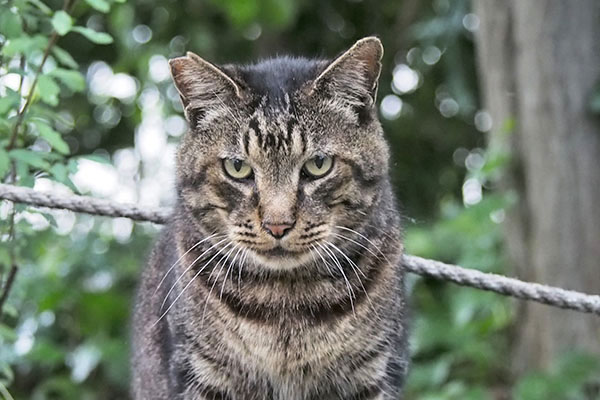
11	25
5	126
100	5
48	90
30	158
16	46
41	6
62	22
59	171
52	137
93	36
4	163
9	102
64	57
71	79
24	44
61	174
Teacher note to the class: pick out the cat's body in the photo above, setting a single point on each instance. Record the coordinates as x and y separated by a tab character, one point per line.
286	282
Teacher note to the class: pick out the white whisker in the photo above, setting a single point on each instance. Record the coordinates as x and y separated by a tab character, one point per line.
356	269
348	286
362	236
352	263
188	285
231	264
356	243
215	281
325	263
190	267
181	258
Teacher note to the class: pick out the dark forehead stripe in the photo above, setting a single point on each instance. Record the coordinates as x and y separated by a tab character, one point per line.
288	136
253	126
275	133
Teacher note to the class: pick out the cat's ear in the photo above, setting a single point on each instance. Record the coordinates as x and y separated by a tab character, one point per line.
353	76
202	85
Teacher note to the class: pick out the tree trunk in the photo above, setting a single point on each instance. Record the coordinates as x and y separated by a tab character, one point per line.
538	64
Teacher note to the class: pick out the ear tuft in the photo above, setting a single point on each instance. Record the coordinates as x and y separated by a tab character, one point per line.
353	76
201	84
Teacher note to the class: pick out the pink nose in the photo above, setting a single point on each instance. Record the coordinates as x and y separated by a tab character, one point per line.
277	230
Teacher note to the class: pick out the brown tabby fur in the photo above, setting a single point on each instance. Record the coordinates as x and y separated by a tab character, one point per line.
318	314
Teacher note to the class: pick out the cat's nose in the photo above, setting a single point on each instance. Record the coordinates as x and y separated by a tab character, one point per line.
278	230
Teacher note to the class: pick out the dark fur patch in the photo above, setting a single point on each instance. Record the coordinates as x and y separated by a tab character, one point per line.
274	78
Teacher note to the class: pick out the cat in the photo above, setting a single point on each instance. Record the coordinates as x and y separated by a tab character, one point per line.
279	275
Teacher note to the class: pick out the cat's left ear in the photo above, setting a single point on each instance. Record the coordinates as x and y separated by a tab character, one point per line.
353	76
202	85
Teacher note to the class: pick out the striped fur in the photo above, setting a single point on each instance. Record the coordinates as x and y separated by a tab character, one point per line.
226	311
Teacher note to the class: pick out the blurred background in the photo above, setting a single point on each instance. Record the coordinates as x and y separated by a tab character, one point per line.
492	113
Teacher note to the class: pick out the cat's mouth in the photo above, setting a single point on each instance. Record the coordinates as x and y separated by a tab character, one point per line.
280	258
278	251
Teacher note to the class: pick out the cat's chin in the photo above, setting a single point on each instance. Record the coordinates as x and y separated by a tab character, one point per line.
281	260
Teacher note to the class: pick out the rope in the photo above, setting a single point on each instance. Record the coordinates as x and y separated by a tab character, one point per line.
84	204
553	296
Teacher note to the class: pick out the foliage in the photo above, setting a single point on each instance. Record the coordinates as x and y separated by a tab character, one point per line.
565	380
84	87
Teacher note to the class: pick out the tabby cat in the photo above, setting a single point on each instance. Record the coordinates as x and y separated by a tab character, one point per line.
278	276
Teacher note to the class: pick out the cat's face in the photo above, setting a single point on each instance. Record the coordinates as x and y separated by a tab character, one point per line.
282	156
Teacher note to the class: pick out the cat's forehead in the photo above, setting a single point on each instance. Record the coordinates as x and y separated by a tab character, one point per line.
274	81
274	132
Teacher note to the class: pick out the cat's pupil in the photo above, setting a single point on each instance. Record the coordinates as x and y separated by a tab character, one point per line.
237	164
319	161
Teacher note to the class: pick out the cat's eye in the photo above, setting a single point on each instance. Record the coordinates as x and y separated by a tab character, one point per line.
237	169
318	166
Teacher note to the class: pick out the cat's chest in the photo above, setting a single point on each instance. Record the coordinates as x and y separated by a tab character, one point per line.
290	352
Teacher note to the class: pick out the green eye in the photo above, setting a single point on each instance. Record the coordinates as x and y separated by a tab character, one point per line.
238	169
318	166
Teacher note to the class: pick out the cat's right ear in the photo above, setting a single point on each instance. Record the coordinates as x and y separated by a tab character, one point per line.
202	86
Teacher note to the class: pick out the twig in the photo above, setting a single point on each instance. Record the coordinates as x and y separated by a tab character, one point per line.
7	287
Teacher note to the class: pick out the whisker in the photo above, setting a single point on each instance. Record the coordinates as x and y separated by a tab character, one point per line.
215	281
188	285
190	267
182	256
348	286
352	263
357	243
227	272
362	236
355	268
325	263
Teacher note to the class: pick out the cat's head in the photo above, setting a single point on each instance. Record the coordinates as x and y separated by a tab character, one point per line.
284	154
